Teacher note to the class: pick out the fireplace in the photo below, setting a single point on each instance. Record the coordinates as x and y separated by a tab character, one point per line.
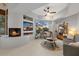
14	32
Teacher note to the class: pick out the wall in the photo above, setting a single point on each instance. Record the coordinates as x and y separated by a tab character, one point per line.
15	20
73	8
73	22
2	6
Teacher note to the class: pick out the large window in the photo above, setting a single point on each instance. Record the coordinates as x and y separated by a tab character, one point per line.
3	22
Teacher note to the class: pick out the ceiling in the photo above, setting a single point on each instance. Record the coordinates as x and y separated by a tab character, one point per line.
25	6
37	8
55	6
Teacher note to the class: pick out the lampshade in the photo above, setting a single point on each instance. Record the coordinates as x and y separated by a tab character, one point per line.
72	31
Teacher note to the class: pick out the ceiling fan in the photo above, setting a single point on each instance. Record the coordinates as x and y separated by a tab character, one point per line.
48	10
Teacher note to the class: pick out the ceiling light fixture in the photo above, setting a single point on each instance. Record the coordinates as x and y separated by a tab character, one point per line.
49	11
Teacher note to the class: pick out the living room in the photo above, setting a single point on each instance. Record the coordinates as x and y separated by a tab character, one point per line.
24	28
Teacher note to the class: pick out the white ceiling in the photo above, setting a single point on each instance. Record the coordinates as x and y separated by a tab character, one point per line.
25	6
37	8
59	8
55	6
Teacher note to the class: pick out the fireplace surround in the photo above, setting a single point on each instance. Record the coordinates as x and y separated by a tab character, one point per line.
14	32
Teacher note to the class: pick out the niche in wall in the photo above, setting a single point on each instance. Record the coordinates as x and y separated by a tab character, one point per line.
27	25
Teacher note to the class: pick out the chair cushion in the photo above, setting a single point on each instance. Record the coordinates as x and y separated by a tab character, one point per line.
74	44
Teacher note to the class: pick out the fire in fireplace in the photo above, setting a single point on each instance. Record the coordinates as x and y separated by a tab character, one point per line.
14	32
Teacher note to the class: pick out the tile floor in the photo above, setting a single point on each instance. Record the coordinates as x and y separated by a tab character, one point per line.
33	48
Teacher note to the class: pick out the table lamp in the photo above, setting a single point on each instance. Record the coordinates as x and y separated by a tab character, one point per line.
73	32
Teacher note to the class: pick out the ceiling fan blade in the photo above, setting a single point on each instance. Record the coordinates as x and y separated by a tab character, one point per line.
48	7
52	12
46	15
45	10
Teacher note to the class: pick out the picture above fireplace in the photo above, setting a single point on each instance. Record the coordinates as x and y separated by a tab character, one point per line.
14	32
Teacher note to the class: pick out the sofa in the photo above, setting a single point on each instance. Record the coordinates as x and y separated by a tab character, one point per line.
70	50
